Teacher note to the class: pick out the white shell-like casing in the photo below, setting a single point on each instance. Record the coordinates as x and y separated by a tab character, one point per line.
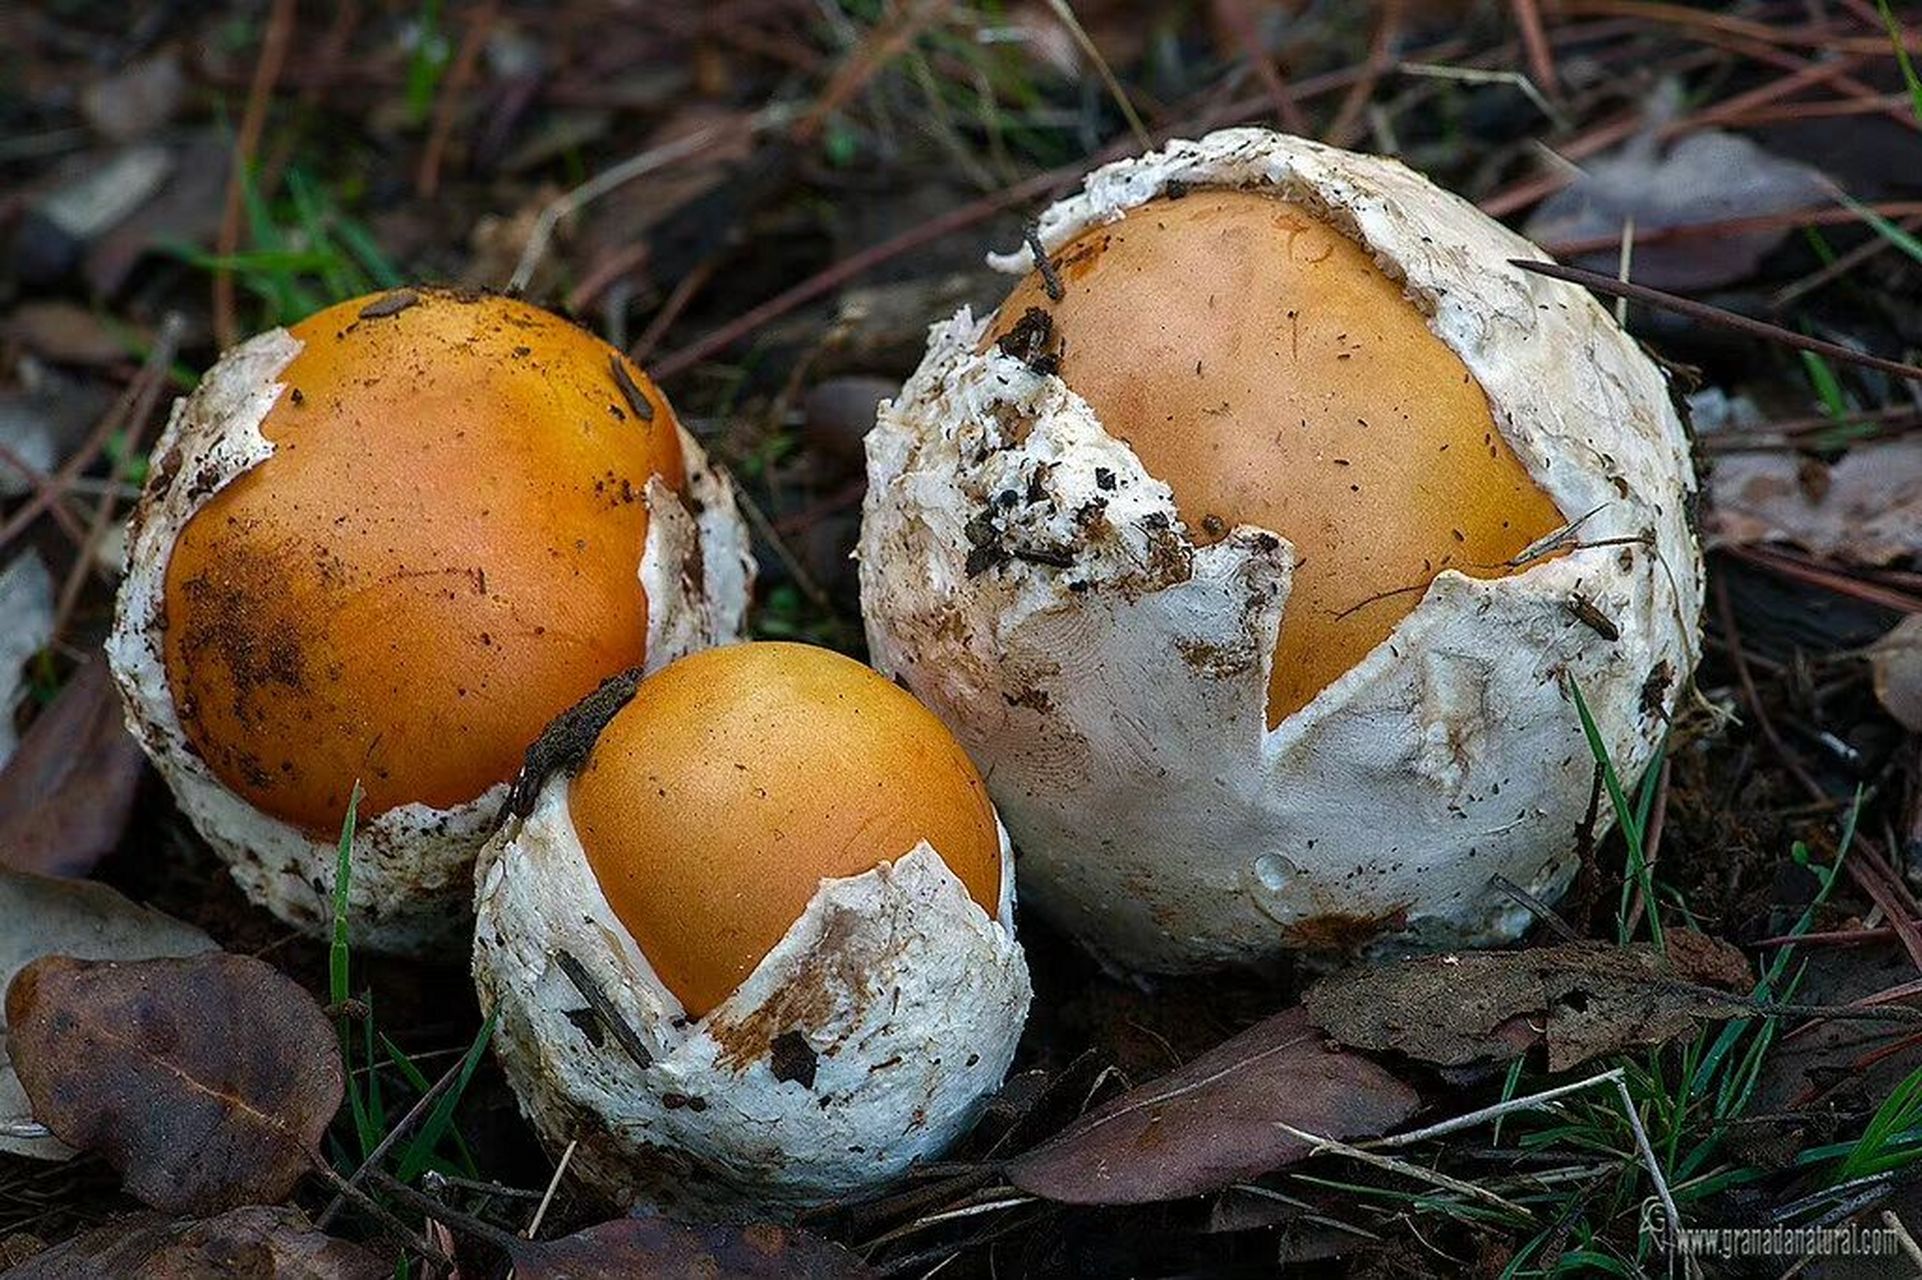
1116	705
411	882
910	1000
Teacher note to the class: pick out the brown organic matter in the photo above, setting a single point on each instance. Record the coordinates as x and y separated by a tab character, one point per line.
206	1081
1216	1120
441	554
651	1245
251	1243
1265	368
737	779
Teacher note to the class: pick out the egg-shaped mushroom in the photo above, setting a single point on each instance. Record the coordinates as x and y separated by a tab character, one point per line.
1257	544
760	944
384	547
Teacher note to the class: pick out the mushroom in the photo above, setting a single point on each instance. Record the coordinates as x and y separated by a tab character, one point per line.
385	546
1256	547
761	944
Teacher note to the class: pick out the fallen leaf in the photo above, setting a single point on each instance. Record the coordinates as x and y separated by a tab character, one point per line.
26	624
186	211
1896	660
1213	1121
651	1247
1584	999
1707	176
251	1243
206	1081
67	793
838	413
44	419
1865	508
137	99
41	916
65	333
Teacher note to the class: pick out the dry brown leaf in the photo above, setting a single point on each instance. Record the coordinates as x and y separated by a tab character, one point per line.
42	916
67	793
251	1243
1706	177
656	1248
1213	1121
66	333
1865	508
1585	999
26	624
207	1081
1896	660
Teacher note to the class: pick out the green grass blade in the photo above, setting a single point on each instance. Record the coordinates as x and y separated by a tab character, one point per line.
1626	816
1909	76
337	951
418	1079
442	1116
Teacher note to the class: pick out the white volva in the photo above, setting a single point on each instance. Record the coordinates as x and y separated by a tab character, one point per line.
412	871
1116	704
866	1039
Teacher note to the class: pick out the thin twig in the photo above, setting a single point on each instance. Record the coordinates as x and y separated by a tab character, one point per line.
1320	1144
152	377
1234	14
434	1179
646	162
857	264
1341	131
1840	266
881	46
461	1223
1723	227
381	1213
553	1185
1716	316
38	481
661	321
1050	278
415	1114
604	1009
1539	909
83	457
1536	1102
273	53
1541	57
1065	13
1809	37
479	26
1621	128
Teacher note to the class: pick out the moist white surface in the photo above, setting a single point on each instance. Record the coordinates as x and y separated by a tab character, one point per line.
410	887
1113	688
908	997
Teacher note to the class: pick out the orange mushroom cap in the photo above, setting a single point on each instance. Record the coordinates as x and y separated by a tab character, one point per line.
1262	365
714	804
441	554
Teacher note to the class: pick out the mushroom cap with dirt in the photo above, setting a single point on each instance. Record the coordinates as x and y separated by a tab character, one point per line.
384	547
1256	547
752	940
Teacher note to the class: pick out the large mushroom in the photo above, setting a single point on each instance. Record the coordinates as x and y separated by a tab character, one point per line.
760	945
385	546
1258	545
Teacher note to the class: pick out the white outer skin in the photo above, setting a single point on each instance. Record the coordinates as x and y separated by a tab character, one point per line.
411	884
1122	728
911	996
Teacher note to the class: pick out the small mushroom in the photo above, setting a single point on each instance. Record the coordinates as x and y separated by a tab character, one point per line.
1254	546
761	945
385	546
